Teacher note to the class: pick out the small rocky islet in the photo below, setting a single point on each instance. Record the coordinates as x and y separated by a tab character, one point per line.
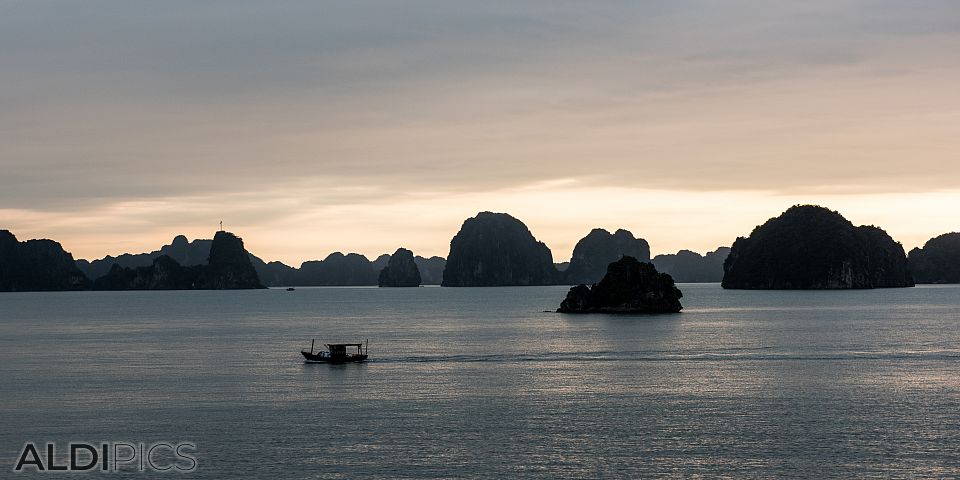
629	286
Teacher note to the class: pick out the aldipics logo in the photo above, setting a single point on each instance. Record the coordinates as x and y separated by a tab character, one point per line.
108	457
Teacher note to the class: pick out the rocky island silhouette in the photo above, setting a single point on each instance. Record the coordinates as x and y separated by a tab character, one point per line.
807	247
629	286
811	247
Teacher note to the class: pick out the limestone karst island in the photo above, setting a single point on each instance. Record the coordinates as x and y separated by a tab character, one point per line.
806	247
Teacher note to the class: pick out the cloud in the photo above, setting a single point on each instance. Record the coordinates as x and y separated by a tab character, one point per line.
111	106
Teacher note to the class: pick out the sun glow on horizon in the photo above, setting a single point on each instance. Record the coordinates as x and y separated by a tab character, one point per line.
558	213
365	127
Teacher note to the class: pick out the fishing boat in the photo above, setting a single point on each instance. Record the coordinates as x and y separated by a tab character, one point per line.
336	353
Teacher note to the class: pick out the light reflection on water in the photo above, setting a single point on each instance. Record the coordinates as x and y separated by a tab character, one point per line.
483	383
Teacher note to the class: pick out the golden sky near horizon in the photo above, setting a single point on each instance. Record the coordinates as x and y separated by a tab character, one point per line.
312	127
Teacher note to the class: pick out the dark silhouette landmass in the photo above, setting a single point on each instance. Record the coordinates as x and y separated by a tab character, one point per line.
354	269
184	252
380	262
938	261
431	269
228	267
629	286
807	247
686	266
164	273
598	249
401	270
274	274
337	270
811	247
29	268
37	265
495	249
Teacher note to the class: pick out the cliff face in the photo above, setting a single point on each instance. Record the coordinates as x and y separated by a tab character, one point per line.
691	267
495	249
37	265
598	249
228	267
629	286
401	270
811	247
938	261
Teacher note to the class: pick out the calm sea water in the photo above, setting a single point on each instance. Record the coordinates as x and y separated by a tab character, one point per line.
481	383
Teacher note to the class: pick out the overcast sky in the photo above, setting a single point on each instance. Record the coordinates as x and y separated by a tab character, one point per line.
310	126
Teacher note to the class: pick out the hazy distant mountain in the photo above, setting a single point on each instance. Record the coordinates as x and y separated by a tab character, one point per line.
599	249
811	247
228	267
274	274
184	252
938	261
431	269
380	262
691	267
337	270
354	269
37	265
494	249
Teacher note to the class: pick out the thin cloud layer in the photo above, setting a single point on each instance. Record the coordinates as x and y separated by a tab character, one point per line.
310	106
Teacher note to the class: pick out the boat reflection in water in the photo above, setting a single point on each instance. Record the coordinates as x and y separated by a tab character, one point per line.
336	353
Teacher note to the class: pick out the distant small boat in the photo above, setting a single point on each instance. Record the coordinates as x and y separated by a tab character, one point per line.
336	353
290	289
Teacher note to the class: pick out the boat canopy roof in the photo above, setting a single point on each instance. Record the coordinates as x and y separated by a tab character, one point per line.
344	344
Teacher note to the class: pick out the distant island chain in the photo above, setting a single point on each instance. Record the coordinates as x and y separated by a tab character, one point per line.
806	247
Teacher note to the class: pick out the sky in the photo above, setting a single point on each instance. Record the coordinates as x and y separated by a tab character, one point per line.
310	127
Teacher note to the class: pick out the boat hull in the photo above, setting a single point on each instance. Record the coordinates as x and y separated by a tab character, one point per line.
317	358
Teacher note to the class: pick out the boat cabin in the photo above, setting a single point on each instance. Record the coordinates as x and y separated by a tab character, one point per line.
339	350
337	353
